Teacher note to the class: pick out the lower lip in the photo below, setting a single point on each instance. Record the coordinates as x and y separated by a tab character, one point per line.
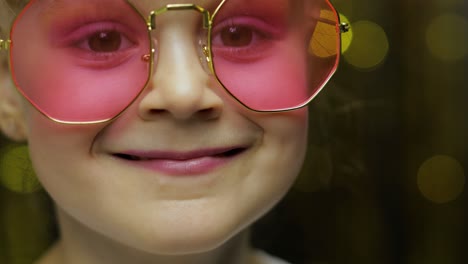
191	167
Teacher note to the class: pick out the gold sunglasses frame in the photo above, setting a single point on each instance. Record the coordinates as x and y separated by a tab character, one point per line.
5	45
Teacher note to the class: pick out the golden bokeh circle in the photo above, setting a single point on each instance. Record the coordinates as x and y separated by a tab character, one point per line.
369	46
447	37
441	179
347	37
16	172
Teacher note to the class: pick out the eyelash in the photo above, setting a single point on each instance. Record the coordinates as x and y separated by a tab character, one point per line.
78	42
263	37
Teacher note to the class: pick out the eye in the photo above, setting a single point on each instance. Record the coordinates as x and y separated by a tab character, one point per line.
103	45
105	41
237	36
244	39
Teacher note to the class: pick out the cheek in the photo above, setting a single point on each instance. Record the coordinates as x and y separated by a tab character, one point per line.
280	157
84	95
56	148
42	130
290	137
287	129
65	165
276	81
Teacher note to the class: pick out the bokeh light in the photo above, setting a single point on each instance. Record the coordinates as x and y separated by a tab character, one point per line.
369	46
16	172
347	37
447	37
441	179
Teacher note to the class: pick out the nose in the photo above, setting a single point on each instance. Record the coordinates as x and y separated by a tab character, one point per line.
180	86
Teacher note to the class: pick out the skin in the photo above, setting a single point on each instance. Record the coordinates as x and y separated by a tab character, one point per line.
111	211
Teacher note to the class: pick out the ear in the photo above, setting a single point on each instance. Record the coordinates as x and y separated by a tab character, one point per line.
12	118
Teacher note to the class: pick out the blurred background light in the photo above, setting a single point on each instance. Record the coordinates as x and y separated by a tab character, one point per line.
447	37
347	37
441	179
16	172
369	46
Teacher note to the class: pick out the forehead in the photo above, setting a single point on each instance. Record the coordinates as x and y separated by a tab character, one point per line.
154	4
144	6
54	7
49	9
158	3
143	3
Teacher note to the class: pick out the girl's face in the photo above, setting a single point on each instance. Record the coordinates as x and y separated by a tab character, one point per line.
185	167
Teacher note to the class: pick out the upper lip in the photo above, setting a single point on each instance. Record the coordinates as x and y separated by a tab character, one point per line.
180	155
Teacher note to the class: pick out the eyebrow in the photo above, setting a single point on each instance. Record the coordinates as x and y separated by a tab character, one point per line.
50	4
57	5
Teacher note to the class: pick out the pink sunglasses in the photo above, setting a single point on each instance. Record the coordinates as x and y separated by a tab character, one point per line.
86	61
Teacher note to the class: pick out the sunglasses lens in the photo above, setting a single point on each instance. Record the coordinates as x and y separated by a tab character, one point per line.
86	61
275	55
80	61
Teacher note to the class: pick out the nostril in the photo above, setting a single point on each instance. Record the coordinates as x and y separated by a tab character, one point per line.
157	111
208	113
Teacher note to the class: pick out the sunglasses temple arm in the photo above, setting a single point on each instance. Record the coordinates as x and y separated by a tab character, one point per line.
344	27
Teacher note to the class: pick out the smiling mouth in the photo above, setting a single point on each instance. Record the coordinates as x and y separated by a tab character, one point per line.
229	153
199	162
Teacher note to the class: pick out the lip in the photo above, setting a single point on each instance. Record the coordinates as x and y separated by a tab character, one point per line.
182	163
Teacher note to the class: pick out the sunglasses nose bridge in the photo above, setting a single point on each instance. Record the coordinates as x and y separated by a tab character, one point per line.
180	7
202	39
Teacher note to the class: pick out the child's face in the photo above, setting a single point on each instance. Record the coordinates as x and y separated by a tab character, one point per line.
213	172
184	168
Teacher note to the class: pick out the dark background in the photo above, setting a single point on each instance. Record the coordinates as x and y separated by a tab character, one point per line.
384	180
395	144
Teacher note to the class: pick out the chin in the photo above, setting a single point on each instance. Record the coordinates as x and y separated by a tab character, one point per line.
192	242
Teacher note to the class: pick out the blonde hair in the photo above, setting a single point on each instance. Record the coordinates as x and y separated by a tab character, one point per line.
5	20
8	10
